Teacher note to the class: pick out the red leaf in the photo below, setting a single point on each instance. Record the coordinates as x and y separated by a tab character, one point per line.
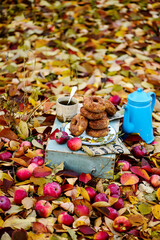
86	230
38	227
156	170
66	187
140	172
85	177
133	138
67	173
41	171
145	165
52	136
129	179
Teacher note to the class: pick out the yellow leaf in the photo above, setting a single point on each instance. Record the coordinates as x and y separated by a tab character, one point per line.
133	199
28	202
156	116
101	204
1	222
84	193
23	129
36	123
32	101
156	211
83	220
34	236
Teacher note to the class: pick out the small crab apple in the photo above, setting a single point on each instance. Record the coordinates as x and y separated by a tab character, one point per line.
139	151
52	189
119	204
124	165
115	99
23	174
121	224
19	195
114	189
81	210
101	197
155	180
59	136
5	203
32	166
25	144
112	213
65	218
38	160
40	152
101	235
74	144
43	208
91	192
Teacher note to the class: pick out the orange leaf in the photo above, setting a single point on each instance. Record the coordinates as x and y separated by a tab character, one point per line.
140	172
47	106
20	161
129	179
41	171
8	133
67	187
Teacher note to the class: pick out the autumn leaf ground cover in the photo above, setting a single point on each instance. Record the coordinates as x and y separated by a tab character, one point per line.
104	48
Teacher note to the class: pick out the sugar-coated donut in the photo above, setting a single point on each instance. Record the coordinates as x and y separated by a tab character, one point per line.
78	125
97	133
99	124
110	108
92	115
94	104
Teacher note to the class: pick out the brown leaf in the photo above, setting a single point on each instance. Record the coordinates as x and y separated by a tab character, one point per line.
86	230
8	133
38	227
41	171
20	161
19	235
137	220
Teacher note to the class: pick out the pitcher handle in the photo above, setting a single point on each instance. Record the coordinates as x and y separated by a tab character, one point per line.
153	95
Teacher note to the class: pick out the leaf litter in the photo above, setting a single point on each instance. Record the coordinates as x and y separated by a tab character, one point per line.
104	48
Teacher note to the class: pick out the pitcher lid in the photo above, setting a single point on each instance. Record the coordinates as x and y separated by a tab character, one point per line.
139	97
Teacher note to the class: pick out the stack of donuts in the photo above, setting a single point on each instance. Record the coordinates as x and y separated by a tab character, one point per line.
93	117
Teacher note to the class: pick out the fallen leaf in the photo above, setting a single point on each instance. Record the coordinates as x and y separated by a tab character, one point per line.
85	177
140	172
41	171
20	161
8	133
129	179
156	211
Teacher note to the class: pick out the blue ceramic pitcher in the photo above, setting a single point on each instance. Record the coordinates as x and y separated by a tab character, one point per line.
138	114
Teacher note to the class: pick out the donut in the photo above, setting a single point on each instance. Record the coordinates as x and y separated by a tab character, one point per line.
97	133
99	124
92	115
94	104
78	125
110	108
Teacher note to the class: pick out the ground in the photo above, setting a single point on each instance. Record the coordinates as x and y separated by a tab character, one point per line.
105	48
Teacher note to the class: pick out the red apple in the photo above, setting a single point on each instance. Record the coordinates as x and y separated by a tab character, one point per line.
5	156
101	197
19	195
112	213
65	218
101	235
124	165
52	189
155	180
32	166
91	192
115	99
114	189
23	174
139	151
59	136
74	144
43	208
5	203
38	160
119	204
81	210
121	224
